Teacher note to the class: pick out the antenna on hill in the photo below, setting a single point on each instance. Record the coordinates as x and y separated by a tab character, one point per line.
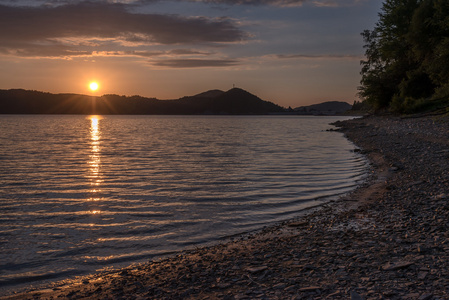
233	85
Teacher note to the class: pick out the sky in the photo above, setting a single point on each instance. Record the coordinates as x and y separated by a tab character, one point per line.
290	52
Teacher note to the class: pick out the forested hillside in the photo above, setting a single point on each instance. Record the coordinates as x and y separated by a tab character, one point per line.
235	101
407	56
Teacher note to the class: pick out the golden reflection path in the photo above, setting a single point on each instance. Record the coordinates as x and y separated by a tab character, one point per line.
95	175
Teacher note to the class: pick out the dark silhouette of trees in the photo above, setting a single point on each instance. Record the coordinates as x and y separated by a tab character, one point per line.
234	101
407	55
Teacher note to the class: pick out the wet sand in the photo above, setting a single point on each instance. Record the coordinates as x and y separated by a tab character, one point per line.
389	239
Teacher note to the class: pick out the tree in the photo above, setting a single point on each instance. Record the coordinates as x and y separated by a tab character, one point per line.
429	37
377	85
407	53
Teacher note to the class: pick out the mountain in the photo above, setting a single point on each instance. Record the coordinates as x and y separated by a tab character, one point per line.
325	108
210	94
234	101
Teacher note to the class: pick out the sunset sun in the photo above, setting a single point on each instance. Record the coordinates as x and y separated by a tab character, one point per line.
93	86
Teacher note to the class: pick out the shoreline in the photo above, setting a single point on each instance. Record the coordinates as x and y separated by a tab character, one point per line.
387	239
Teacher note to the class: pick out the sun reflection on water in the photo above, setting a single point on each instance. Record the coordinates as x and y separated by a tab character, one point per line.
95	176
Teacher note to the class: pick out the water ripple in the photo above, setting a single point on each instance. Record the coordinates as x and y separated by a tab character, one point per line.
79	194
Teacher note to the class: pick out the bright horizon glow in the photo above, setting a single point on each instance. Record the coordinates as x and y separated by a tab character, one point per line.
93	86
290	52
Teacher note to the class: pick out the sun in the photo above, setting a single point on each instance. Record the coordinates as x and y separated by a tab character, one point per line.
93	86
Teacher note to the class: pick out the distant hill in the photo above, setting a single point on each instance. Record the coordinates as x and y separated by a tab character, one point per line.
325	108
210	94
234	101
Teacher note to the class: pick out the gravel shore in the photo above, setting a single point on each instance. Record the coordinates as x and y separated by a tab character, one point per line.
387	240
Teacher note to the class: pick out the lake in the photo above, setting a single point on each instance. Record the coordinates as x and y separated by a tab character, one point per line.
85	193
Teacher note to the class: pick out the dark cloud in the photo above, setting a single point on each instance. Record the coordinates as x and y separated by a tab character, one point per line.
43	51
174	52
34	27
317	56
280	3
194	63
188	52
65	51
255	2
49	49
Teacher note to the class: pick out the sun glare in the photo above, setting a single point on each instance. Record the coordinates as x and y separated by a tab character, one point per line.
93	86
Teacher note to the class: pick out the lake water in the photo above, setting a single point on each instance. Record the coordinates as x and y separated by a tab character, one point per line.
83	193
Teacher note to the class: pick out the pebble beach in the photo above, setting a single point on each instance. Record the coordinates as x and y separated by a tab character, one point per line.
388	239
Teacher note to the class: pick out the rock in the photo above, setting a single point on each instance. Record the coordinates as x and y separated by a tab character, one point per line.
422	275
426	297
412	296
297	224
279	286
223	285
356	296
309	289
256	269
396	266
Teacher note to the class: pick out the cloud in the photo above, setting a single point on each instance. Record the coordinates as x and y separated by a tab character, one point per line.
145	53
48	49
188	52
319	56
195	63
169	53
335	3
279	3
255	2
42	30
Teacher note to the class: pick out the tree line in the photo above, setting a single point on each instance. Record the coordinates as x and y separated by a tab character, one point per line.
234	101
406	66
